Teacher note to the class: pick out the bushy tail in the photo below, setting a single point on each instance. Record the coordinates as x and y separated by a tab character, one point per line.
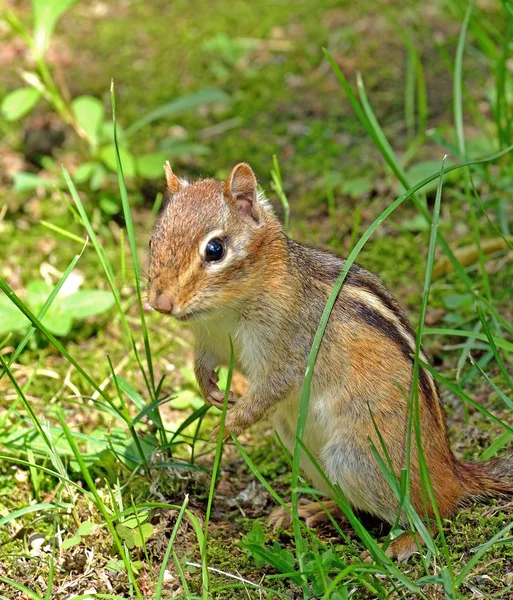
492	477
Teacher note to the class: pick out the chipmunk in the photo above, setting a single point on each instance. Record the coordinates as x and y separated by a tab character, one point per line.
220	260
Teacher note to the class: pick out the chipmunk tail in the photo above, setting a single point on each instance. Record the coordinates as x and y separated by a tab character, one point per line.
488	478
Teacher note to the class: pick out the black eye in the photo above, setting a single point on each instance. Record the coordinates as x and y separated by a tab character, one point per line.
214	250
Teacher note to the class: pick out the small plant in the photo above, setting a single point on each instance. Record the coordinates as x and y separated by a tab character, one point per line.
84	530
135	531
67	307
86	116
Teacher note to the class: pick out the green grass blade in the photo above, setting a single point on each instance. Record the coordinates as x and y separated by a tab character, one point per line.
498	391
460	137
102	257
63	232
27	510
306	387
371	125
374	548
162	572
133	247
457	81
423	467
21	588
277	185
32	465
52	339
493	346
477	556
383	145
466	398
99	503
499	342
496	445
215	470
181	575
54	456
305	391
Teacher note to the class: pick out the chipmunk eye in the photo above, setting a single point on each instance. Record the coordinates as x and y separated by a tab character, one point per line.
214	250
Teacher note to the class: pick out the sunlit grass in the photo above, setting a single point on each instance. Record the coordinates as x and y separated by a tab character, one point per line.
313	568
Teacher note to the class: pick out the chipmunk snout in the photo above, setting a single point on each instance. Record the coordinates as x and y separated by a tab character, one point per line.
163	303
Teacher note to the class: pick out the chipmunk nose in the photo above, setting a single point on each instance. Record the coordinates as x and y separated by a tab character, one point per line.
163	303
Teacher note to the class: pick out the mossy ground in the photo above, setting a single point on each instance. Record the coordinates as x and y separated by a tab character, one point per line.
286	102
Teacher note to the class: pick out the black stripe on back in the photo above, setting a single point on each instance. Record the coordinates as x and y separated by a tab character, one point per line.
390	329
357	280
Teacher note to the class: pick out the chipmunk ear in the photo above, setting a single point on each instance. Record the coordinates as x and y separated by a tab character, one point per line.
241	189
173	183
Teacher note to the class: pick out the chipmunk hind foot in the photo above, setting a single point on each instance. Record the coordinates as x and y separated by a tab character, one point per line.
312	513
400	548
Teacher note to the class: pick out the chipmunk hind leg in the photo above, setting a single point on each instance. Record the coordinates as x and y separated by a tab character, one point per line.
352	466
402	547
312	513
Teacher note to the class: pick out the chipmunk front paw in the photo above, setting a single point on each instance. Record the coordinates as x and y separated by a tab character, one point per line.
212	394
235	422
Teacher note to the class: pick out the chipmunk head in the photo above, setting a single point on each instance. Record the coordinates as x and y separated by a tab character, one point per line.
208	248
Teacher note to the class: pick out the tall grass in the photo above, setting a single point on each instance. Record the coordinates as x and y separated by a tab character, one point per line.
315	568
447	577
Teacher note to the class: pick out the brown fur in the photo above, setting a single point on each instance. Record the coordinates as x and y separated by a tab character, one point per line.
268	294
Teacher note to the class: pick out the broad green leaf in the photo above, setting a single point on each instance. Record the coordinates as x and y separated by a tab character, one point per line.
134	522
86	303
142	533
24	182
136	566
108	156
107	133
179	105
457	301
127	535
151	166
109	204
36	293
70	542
98	176
89	113
85	528
84	172
57	321
19	102
46	15
123	531
11	319
116	565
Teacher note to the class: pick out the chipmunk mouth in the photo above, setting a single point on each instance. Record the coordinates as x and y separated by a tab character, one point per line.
190	316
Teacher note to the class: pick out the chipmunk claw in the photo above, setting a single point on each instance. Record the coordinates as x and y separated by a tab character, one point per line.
227	433
216	398
312	513
400	549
